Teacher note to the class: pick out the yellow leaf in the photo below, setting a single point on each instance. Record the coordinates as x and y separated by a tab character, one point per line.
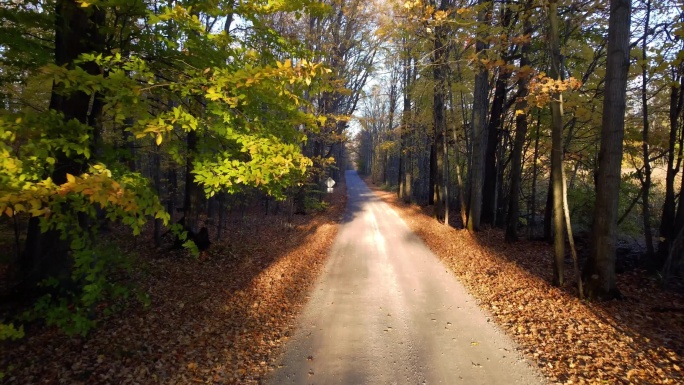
308	81
70	178
37	212
158	139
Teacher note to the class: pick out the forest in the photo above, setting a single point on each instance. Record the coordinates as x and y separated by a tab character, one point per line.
155	153
510	115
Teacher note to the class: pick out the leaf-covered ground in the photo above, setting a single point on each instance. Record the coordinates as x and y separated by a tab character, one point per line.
217	320
639	340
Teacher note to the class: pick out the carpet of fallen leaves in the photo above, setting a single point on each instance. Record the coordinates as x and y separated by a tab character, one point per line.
639	340
217	320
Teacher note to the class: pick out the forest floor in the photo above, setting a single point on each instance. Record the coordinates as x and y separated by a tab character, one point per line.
216	320
223	319
638	340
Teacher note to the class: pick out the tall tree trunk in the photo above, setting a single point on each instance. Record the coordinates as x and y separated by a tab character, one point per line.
156	162
488	214
666	229
77	31
192	200
433	189
556	148
520	134
408	168
457	162
489	192
646	188
404	130
600	268
533	194
480	95
439	72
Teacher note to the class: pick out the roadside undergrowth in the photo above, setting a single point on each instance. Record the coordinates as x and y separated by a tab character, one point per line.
221	319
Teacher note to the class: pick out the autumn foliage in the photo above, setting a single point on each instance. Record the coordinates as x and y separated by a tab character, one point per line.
222	319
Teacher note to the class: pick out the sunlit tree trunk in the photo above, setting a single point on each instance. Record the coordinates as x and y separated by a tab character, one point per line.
533	193
556	149
403	129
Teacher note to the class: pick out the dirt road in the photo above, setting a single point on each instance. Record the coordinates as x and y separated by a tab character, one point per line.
386	311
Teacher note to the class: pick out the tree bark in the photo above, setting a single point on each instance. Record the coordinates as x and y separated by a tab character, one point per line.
479	120
439	147
533	194
600	268
646	188
156	161
192	197
492	161
556	148
404	130
520	135
433	189
666	229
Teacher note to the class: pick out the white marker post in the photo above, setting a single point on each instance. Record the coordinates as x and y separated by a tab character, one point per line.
330	183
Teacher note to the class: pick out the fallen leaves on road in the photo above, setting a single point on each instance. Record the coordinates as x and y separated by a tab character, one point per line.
220	320
572	341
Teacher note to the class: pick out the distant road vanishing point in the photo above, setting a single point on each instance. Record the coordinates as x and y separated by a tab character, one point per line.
387	311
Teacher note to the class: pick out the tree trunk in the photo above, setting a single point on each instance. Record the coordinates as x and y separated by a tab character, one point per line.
646	188
533	194
433	189
668	215
76	32
439	72
556	149
516	168
404	130
600	268
192	200
457	162
479	120
492	161
157	186
520	135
